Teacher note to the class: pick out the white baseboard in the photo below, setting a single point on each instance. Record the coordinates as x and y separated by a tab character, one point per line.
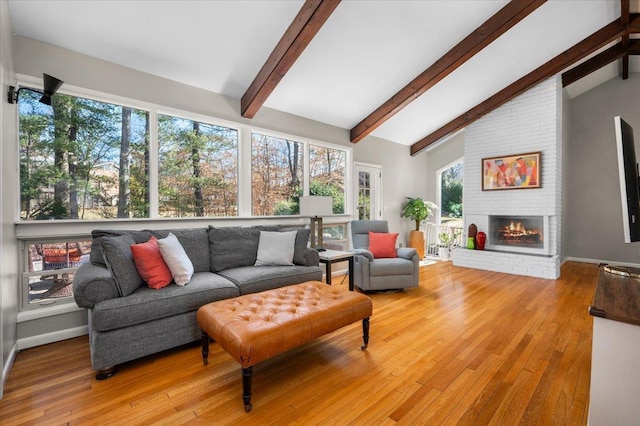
598	261
56	336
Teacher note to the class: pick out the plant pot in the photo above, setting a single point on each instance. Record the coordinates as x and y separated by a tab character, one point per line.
416	241
444	253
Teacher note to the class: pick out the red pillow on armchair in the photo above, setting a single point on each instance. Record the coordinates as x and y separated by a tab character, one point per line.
382	244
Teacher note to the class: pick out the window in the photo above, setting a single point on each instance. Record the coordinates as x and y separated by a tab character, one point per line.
327	167
451	195
334	237
49	270
82	159
276	175
198	169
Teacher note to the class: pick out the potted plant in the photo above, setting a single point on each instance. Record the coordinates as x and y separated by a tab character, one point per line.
447	241
417	210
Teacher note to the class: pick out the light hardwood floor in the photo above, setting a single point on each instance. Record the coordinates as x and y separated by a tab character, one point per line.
468	347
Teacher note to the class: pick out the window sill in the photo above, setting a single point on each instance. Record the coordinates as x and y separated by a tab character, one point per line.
48	311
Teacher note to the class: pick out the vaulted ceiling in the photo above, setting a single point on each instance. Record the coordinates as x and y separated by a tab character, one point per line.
412	72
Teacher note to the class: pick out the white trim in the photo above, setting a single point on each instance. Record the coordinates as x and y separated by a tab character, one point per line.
48	311
598	261
154	166
54	336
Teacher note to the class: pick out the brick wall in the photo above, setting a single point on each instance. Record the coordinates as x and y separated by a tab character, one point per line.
531	122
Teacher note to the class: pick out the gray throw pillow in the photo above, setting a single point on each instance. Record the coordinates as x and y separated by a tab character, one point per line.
276	248
302	241
97	257
119	260
232	247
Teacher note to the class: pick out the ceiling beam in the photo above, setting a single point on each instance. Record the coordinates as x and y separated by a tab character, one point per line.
624	18
307	23
634	23
512	13
593	64
597	40
634	47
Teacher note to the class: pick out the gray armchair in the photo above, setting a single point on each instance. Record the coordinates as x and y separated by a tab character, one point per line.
386	273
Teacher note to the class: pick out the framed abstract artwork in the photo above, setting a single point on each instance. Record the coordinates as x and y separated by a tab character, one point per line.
519	171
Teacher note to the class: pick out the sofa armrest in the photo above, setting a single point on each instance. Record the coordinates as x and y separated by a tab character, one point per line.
406	252
364	252
312	257
93	284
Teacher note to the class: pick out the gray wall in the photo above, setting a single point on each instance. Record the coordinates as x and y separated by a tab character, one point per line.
8	244
594	213
403	175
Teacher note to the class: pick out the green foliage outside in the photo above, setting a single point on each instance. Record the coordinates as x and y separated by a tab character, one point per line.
451	191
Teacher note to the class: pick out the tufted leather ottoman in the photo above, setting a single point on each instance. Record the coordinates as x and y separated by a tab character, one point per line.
256	327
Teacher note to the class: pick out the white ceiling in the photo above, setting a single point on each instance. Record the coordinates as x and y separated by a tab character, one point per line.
365	53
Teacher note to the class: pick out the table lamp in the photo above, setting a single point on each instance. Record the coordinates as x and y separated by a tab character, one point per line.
315	207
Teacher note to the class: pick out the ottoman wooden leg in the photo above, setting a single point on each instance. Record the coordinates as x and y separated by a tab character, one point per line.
246	388
365	333
205	348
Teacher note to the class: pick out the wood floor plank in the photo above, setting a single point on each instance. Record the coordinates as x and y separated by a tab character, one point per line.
467	347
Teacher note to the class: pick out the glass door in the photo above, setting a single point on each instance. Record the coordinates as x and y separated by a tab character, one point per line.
368	192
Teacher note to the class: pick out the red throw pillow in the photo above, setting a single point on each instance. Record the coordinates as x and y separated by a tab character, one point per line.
382	244
150	264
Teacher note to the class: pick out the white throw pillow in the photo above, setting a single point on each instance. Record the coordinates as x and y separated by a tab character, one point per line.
176	259
276	248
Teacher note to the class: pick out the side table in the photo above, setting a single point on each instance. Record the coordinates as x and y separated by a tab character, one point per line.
329	257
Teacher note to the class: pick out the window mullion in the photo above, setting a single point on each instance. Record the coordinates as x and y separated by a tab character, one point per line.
153	165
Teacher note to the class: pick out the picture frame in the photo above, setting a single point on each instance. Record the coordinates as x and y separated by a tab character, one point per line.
518	171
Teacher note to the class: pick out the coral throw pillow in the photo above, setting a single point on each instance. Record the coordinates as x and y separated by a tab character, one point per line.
382	244
150	264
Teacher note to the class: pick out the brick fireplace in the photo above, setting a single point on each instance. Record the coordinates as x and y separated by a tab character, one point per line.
531	122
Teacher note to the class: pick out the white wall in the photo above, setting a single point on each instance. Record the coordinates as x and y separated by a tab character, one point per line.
8	244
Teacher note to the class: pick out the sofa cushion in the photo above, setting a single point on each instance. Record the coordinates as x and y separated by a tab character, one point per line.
97	257
150	264
145	304
195	242
252	279
119	260
276	248
177	260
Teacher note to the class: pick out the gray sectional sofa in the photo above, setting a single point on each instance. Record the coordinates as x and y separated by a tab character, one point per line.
128	320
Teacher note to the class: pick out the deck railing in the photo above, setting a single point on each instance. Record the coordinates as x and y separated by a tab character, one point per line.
441	236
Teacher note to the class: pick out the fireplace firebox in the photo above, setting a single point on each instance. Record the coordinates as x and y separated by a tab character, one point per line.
518	233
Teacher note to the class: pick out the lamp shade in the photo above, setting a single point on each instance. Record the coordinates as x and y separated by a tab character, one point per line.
316	206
